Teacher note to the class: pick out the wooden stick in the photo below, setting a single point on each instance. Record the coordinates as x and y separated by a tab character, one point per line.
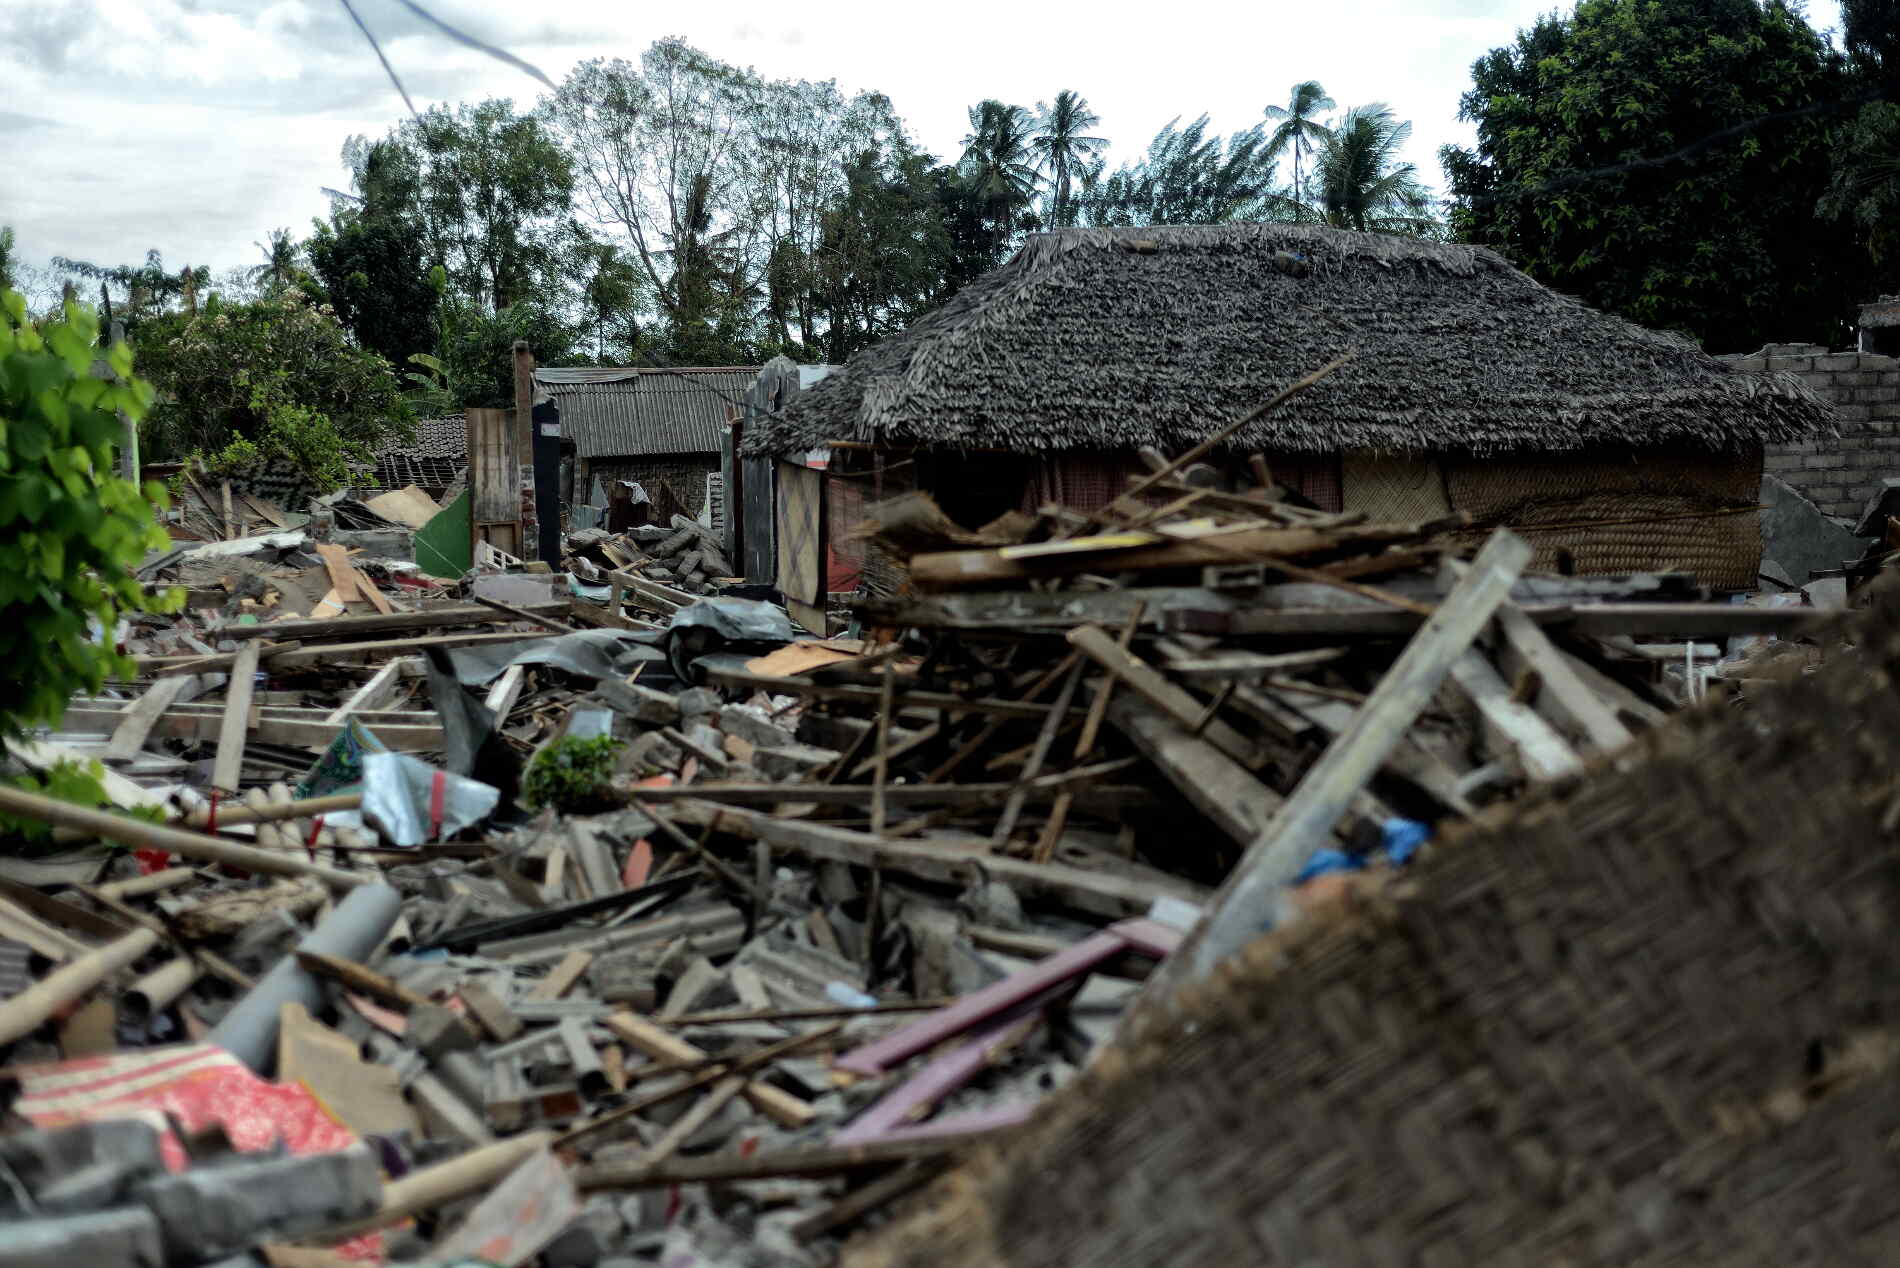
1085	745
813	1161
713	1071
1153	686
363	980
170	878
1045	737
152	836
521	615
229	767
27	1011
782	1107
1214	441
309	629
371	694
987	732
214	964
867	1198
883	771
444	1182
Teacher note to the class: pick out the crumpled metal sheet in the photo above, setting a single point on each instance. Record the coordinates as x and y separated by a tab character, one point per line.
399	798
589	653
738	620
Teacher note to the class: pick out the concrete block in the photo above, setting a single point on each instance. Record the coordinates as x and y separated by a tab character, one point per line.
127	1235
1876	395
379	543
642	704
1824	461
1852	413
1753	365
1838	361
698	702
1799	535
749	724
1782	462
792	761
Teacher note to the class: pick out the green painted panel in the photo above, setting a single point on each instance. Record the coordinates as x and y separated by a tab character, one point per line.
442	545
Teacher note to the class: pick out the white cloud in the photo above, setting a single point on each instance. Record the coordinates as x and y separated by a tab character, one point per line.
196	125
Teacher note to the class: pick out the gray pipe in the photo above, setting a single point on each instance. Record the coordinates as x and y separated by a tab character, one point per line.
353	930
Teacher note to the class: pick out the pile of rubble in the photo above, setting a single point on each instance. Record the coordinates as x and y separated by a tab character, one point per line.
525	924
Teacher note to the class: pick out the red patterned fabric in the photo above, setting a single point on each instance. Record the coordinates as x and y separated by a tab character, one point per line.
1084	482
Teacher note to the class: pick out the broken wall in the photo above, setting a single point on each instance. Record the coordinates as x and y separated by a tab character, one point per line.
1838	473
686	473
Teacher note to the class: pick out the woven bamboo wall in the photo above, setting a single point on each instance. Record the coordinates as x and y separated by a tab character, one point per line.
1650	503
1651	1017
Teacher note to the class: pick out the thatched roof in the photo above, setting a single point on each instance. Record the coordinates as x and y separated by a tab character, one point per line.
1114	338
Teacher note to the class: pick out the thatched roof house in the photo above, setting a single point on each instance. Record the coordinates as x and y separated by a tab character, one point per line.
1098	341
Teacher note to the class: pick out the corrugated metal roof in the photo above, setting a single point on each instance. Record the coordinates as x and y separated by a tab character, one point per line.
612	413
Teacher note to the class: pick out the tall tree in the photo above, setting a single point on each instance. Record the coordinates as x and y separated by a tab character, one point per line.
147	290
1364	184
1300	131
372	255
1189	177
279	268
1065	150
666	159
884	255
8	258
1663	159
1865	187
999	166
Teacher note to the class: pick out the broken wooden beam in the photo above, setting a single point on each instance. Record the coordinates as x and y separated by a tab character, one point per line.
1246	903
958	860
229	766
311	630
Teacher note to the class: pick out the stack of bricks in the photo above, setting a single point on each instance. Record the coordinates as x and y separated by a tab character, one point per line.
1838	473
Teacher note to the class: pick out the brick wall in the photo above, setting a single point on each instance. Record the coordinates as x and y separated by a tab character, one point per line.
685	473
1839	474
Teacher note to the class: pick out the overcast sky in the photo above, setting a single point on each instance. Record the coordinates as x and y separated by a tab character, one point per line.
195	126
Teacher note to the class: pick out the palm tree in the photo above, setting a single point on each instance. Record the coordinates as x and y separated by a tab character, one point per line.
998	160
280	261
1363	182
1064	152
1300	130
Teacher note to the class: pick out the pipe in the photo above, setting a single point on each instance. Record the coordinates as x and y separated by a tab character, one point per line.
244	813
351	931
446	1181
25	1012
154	992
157	882
152	836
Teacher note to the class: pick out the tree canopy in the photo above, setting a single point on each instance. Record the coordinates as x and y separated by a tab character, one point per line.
1663	159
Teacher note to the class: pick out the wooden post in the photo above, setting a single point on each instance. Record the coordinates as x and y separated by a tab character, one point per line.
524	427
494	480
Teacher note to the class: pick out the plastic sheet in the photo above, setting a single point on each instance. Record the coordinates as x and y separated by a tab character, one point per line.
589	653
736	620
341	766
410	801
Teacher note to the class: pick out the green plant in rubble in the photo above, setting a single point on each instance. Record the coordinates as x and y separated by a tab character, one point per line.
570	774
71	531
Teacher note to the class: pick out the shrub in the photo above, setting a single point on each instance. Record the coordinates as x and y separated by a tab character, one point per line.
71	531
572	774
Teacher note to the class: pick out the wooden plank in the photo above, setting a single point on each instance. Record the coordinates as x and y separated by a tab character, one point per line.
1624	700
1563	694
561	978
1039	753
335	651
1153	686
1514	725
229	766
953	569
813	1161
371	695
367	588
665	598
958	860
1409	763
1306	820
870	695
230	521
422	736
336	562
663	1045
1222	665
1216	785
356	627
129	737
501	697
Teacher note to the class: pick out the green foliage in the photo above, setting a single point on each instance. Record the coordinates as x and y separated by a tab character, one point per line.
372	256
9	258
1190	178
70	530
279	373
1662	159
1363	182
147	291
1064	152
1299	132
571	774
1865	188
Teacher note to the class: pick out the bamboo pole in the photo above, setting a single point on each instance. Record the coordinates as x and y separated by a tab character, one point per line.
444	1182
25	1012
155	991
242	813
153	836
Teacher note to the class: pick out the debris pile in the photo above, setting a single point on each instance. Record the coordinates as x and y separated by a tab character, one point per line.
537	922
